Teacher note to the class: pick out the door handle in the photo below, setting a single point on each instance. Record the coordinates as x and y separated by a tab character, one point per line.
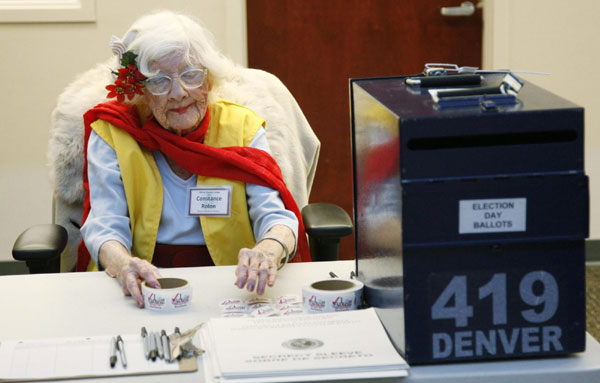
466	8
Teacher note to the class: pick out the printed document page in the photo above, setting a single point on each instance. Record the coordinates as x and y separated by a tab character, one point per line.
301	345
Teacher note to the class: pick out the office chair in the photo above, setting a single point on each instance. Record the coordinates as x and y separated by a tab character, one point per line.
53	247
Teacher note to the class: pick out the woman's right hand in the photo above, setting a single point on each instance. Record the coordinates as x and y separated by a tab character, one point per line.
130	271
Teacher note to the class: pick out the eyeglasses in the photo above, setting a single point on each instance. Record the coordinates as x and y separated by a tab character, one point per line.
190	79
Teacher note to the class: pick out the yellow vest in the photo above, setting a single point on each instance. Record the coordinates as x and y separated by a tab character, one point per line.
230	125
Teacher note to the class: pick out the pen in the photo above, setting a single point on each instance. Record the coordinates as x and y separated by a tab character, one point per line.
159	346
145	342
454	79
166	346
121	348
113	352
153	349
177	336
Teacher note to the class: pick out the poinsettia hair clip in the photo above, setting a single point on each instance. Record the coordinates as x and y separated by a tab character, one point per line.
130	81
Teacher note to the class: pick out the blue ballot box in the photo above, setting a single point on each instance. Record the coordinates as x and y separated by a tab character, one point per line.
471	220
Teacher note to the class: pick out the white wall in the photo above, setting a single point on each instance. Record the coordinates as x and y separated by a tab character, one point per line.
39	60
563	39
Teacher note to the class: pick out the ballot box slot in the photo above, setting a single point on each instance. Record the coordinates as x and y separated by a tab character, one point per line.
487	140
485	177
476	145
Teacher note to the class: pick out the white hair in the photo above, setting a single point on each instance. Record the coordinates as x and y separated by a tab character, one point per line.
161	34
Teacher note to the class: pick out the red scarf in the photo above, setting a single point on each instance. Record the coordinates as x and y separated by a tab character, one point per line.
245	164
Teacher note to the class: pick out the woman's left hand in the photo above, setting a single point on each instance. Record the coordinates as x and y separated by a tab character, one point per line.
257	267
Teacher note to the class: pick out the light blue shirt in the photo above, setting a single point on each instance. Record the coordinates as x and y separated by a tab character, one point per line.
109	219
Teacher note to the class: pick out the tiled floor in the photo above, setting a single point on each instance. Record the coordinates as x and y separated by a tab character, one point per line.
592	281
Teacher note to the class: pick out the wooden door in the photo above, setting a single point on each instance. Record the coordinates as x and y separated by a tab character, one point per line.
316	46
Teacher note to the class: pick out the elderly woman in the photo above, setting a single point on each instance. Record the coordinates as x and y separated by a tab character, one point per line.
176	177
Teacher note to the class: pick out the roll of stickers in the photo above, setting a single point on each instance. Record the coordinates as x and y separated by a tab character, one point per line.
175	294
331	295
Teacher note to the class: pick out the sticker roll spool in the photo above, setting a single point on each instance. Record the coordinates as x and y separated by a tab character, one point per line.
175	294
330	295
385	292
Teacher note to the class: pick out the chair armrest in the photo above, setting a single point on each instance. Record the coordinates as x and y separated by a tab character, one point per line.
40	246
325	224
326	220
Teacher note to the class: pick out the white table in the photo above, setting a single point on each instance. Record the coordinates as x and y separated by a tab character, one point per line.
92	304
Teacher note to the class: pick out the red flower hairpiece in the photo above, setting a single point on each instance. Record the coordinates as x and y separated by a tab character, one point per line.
129	80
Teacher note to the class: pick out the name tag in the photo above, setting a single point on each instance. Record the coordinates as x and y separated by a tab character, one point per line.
214	201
